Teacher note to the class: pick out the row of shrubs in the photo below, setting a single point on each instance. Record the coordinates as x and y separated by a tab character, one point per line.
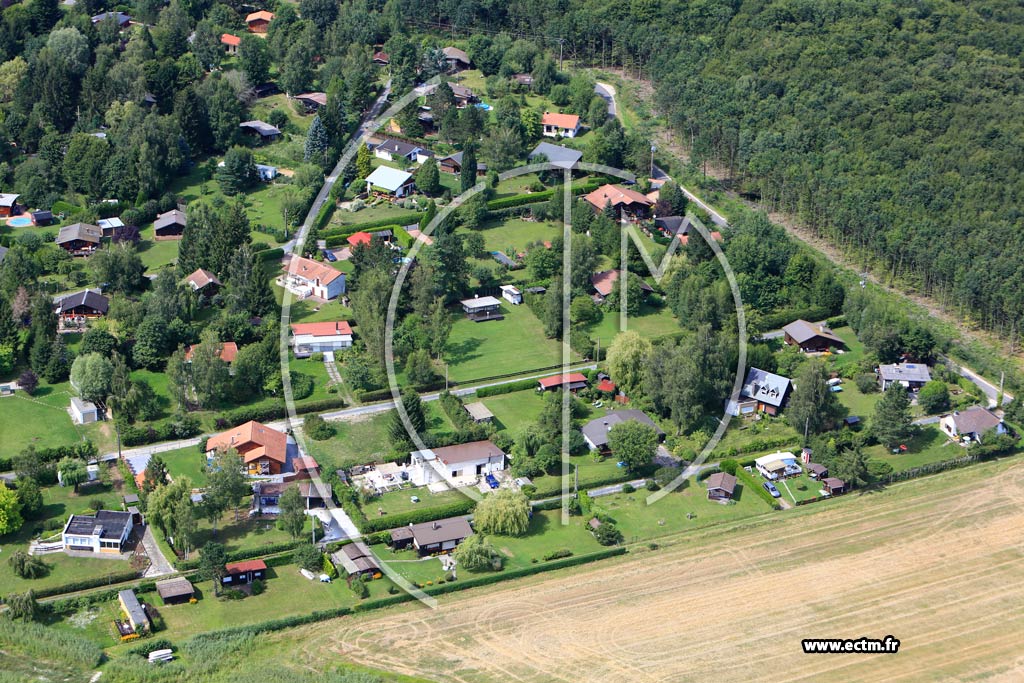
401	219
751	484
266	255
337	239
535	197
483	580
70	605
756	445
86	584
245	554
278	411
83	450
369	525
374	395
168	430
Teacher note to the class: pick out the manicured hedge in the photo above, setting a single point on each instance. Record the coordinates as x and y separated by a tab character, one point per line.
323	217
270	255
85	584
168	430
338	239
542	196
401	219
751	483
277	411
372	524
375	395
498	389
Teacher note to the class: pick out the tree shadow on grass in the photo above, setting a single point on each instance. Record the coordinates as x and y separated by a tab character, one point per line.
463	351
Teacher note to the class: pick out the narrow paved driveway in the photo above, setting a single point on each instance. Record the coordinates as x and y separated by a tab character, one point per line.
159	565
607	91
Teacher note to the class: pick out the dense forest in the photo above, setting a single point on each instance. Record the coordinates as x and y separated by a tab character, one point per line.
892	128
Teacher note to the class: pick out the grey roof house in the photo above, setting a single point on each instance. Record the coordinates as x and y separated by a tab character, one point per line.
763	392
913	376
558	155
595	432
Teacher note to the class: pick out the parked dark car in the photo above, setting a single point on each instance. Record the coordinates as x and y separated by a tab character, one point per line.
329	255
770	488
492	482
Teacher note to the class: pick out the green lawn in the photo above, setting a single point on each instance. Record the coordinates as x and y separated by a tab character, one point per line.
155	255
546	534
356	442
844	363
743	431
287	593
396	502
262	107
798	488
639	521
186	462
930	445
41	420
381	211
243	534
590	474
58	503
515	410
651	322
515	344
861	405
514	234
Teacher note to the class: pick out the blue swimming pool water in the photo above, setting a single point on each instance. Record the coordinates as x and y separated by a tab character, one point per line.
484	106
19	222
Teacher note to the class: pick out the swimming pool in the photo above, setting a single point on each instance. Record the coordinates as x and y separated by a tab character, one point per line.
19	222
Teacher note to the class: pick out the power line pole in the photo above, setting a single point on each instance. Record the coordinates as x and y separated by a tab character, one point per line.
561	43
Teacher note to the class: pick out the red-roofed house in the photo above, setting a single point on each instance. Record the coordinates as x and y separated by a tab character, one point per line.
630	201
306	277
381	58
310	338
228	351
604	284
606	386
263	450
230	43
259	21
244	572
560	125
358	238
573	381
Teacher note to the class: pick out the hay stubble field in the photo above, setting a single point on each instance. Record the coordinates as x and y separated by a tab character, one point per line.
935	562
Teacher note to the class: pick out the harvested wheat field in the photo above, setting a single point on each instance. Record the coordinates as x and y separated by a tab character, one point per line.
936	562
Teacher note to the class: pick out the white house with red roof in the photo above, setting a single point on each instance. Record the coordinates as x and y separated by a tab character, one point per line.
560	125
305	277
310	338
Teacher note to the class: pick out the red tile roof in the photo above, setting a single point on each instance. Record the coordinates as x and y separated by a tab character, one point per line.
606	385
253	440
569	121
328	329
228	351
605	281
246	566
228	39
558	380
359	238
616	194
261	15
